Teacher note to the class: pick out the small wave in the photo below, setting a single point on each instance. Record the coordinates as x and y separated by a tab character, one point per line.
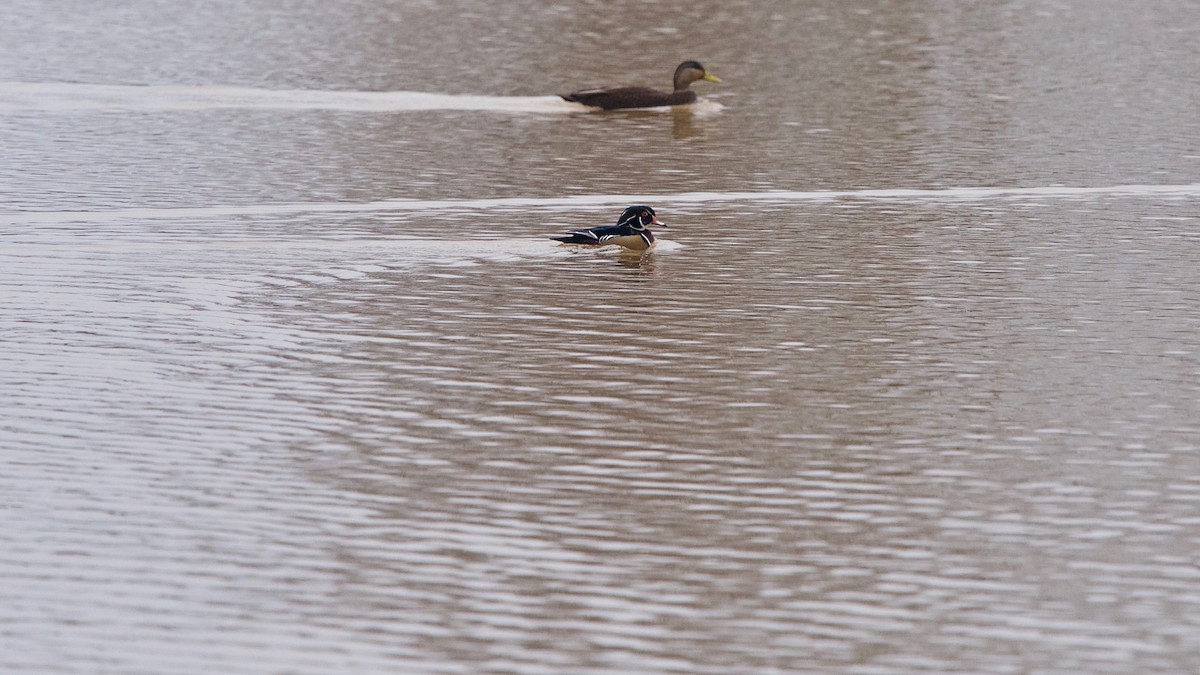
407	246
940	195
397	248
55	96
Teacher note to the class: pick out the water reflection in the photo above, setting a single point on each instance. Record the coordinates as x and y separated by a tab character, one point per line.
682	124
644	262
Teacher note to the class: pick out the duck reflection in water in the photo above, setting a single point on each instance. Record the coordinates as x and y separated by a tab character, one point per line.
643	263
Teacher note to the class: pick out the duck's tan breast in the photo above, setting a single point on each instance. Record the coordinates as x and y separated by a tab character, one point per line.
635	242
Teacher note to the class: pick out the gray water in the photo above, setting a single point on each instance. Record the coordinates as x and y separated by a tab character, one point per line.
291	380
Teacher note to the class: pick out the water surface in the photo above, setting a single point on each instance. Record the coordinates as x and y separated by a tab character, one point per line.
293	382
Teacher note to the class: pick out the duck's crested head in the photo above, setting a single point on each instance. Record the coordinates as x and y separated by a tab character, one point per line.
690	71
639	217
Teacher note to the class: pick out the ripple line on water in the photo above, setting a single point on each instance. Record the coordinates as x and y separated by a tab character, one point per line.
899	195
69	96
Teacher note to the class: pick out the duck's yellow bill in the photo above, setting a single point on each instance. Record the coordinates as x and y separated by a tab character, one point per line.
711	78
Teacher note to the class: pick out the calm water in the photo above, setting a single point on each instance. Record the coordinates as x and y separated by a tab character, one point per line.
292	382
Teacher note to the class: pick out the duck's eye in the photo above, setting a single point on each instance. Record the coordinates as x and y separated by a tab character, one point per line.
645	214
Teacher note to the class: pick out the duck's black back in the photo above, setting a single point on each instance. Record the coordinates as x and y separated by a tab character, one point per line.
630	97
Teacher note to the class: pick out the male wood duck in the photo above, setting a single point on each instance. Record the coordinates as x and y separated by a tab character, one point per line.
615	98
631	231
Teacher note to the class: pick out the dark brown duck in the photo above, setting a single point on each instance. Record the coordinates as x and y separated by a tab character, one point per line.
615	98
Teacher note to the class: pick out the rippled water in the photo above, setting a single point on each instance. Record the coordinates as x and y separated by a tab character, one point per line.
291	379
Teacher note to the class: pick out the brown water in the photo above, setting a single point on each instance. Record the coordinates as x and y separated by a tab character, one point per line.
292	382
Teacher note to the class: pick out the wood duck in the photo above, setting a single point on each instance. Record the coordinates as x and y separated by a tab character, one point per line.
630	231
615	98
